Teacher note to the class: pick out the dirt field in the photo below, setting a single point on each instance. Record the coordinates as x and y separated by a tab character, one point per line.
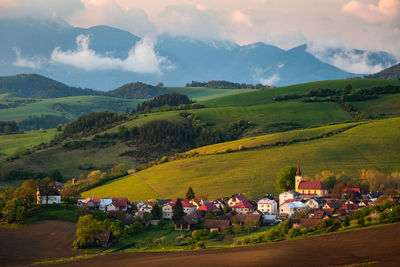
36	242
380	245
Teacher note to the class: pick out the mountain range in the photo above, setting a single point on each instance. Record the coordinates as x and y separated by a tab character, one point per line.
103	57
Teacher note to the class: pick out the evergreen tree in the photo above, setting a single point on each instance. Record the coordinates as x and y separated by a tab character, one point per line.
227	208
177	211
190	193
156	212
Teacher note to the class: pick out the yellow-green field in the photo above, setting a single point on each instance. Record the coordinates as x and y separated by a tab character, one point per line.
373	145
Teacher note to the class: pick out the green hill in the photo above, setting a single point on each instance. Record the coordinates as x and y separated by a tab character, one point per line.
391	73
37	86
373	145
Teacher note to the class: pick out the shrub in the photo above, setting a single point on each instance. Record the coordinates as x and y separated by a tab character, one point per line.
201	245
294	232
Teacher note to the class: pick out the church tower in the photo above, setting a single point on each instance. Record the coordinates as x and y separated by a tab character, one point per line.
298	177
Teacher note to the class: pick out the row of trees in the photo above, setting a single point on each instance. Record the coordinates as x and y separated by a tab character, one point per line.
8	127
226	85
163	100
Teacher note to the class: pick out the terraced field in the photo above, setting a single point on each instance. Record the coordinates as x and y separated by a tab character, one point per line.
372	145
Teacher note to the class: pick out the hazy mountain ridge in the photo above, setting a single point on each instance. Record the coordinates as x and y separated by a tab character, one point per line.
392	73
180	59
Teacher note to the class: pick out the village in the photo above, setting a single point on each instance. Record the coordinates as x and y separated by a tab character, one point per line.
305	207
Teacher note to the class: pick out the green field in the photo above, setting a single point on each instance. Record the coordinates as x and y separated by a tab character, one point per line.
203	93
387	105
12	142
372	145
265	96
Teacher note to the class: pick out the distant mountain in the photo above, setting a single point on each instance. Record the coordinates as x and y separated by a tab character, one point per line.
137	90
37	86
392	73
27	46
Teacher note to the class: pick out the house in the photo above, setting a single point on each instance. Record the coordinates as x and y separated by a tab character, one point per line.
288	195
146	207
249	219
103	238
47	195
348	192
309	187
268	206
185	223
319	214
314	203
308	223
216	225
104	202
118	204
91	202
332	204
236	198
291	208
208	206
243	207
188	208
197	201
220	203
167	211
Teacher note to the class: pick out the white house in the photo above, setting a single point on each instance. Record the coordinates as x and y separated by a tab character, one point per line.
104	202
235	199
49	195
167	211
288	195
290	208
267	206
313	203
243	207
146	207
188	208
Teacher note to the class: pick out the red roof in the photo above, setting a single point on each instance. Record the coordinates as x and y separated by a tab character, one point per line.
120	201
208	206
289	201
350	207
240	197
187	204
243	205
352	189
308	195
94	199
313	185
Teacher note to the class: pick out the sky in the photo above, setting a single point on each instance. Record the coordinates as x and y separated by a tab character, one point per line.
362	24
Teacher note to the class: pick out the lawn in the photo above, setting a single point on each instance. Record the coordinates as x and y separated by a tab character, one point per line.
371	146
265	96
387	105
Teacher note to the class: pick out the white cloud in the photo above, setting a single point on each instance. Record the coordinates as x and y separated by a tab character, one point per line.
141	58
384	11
285	39
33	63
271	80
345	58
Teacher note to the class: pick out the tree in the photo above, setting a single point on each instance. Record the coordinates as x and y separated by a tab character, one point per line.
27	191
190	193
156	212
285	181
55	175
46	187
177	211
87	228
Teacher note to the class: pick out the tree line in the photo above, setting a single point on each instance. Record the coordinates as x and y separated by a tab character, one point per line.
227	85
7	127
162	100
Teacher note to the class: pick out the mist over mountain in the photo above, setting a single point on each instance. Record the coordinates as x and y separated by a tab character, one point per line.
104	58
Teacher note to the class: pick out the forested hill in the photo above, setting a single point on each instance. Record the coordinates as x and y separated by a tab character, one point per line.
137	90
392	73
34	85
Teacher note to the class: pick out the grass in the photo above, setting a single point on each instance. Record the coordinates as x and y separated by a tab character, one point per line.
305	114
10	143
265	96
272	139
371	146
204	93
59	213
387	105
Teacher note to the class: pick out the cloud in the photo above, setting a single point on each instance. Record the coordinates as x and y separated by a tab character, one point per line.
384	11
141	58
239	17
109	12
285	39
262	77
271	80
345	59
33	63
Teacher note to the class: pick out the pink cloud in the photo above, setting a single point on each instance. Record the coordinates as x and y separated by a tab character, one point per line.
239	17
385	11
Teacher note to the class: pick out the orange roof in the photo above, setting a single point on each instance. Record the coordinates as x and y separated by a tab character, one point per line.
313	185
243	205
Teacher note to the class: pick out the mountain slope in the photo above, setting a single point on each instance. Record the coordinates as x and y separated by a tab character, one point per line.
28	44
137	90
392	73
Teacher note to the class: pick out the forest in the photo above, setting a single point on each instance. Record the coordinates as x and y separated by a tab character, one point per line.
227	85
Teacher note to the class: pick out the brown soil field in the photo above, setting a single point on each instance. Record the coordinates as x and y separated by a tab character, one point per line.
39	241
375	246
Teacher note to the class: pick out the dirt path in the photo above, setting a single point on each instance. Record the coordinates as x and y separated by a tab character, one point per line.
36	242
376	246
151	186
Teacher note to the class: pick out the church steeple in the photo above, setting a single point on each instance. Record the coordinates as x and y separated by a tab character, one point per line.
298	177
298	173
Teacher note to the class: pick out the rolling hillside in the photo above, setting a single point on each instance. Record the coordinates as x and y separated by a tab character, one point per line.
392	73
373	145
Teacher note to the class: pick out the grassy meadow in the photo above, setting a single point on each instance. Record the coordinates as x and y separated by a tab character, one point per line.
10	143
372	145
265	96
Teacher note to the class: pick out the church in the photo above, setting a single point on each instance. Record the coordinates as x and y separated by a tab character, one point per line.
309	189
